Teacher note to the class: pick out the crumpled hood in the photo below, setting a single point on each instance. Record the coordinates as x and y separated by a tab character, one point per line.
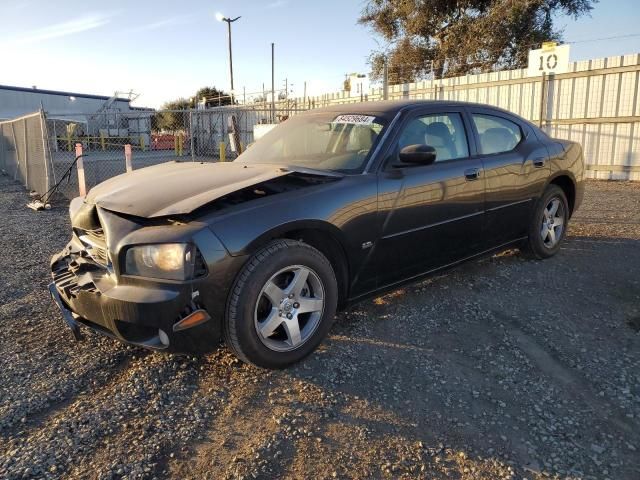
175	188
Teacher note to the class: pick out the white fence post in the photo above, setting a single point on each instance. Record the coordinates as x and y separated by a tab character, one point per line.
127	158
82	185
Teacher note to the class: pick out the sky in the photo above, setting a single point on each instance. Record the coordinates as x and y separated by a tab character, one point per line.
163	49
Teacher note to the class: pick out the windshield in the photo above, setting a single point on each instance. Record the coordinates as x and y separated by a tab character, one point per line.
324	141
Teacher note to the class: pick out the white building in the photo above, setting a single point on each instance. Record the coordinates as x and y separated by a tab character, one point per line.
359	85
96	114
18	101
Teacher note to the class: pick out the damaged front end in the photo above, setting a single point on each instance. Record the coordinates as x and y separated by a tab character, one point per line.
92	286
143	265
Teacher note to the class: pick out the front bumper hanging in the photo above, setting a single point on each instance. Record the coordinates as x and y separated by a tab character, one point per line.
88	295
66	313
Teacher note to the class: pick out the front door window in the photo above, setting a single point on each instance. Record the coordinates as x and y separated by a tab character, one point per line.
444	131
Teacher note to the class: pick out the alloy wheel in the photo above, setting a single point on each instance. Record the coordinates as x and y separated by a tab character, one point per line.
289	308
552	223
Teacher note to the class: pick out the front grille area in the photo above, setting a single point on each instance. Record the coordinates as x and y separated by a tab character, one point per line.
68	276
96	245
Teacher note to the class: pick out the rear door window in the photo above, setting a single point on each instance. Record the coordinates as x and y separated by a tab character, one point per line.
497	134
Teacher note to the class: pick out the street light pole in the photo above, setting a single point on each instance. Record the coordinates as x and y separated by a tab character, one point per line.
229	21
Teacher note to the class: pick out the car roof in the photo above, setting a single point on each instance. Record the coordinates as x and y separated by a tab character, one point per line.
389	108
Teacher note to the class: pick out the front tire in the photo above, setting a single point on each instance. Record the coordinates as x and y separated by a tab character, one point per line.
548	224
282	305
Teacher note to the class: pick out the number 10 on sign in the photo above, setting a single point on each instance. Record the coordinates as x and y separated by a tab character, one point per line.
548	60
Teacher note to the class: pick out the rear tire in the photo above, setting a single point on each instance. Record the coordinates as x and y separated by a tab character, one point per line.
281	305
548	224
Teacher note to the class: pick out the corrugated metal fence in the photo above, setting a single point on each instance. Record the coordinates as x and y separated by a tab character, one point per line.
596	103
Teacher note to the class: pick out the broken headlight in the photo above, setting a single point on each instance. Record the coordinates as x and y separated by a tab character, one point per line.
169	261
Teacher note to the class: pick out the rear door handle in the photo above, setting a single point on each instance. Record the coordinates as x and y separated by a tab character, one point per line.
472	173
539	162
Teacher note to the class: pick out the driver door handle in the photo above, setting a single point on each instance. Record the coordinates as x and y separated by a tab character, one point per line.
472	174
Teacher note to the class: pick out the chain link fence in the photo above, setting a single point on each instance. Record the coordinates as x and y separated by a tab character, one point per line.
103	137
153	137
23	152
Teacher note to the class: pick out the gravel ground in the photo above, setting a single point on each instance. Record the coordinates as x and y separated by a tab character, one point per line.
502	368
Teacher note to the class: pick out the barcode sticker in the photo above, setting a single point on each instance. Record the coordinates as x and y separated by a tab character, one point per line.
355	119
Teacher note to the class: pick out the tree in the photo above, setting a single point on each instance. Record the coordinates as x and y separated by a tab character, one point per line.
455	37
213	97
172	116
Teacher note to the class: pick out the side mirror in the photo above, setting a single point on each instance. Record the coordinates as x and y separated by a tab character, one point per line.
418	155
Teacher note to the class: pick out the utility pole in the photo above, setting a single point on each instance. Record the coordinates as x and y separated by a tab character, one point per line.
286	96
273	84
304	96
385	80
222	18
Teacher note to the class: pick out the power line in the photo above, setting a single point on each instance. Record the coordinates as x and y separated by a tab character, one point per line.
615	37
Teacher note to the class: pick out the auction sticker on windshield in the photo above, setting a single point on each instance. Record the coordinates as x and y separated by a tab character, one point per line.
357	119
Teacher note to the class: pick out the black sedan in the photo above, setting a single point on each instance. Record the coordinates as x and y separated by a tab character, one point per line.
327	208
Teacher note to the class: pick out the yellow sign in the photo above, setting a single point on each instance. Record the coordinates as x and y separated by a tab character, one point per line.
546	46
